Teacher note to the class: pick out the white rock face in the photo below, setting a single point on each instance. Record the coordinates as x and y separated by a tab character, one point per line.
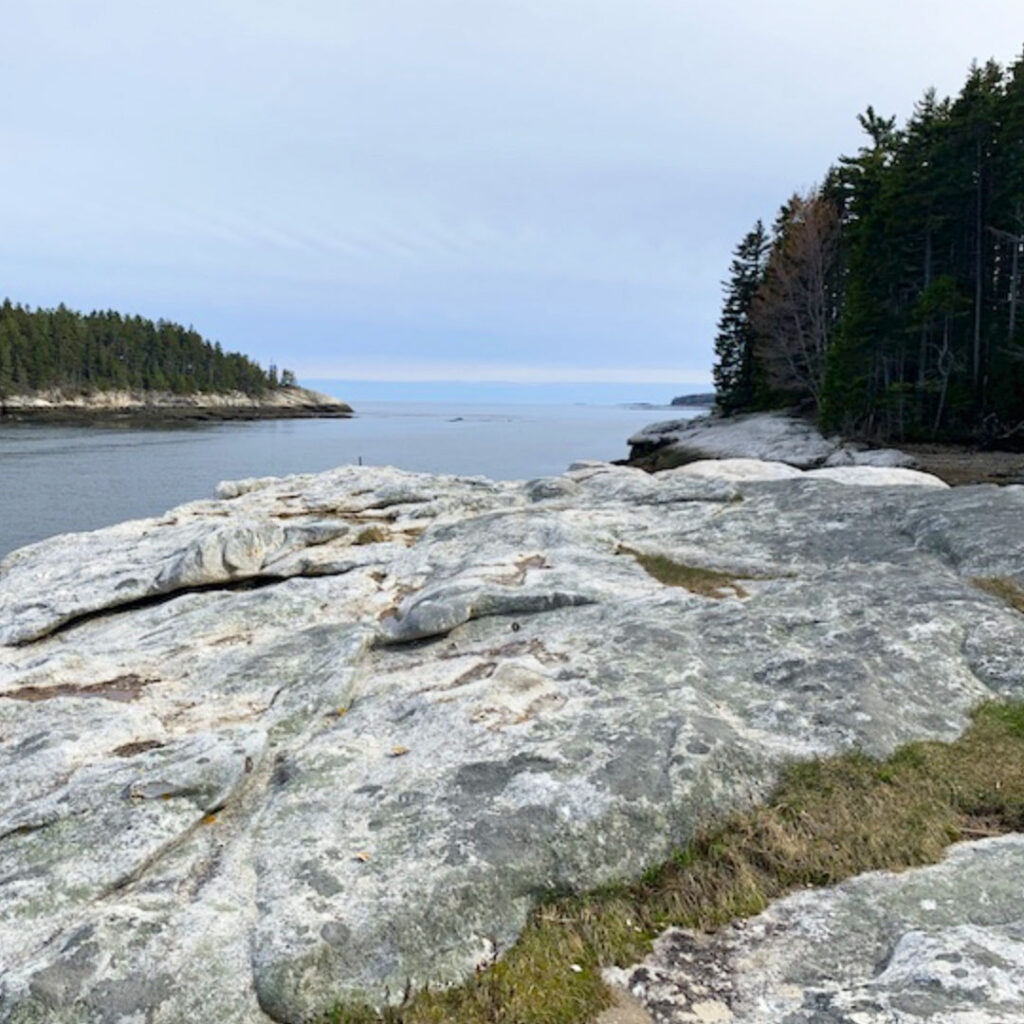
756	469
773	436
875	476
283	401
941	944
332	734
888	458
736	469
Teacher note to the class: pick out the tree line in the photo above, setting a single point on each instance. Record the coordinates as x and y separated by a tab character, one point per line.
887	300
59	348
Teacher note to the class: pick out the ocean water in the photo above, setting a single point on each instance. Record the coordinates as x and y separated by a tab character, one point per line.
59	479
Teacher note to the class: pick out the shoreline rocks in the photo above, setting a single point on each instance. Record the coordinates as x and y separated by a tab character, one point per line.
935	944
866	475
330	735
155	406
776	436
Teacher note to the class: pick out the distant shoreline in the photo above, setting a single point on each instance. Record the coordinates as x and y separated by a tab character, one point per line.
148	407
704	398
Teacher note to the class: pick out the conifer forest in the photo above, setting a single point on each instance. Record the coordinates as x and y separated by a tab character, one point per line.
59	348
887	300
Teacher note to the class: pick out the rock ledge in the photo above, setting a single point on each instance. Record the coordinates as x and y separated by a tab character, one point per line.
777	436
329	735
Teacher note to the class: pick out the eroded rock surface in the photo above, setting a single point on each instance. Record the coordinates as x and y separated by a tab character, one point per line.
777	436
331	734
942	944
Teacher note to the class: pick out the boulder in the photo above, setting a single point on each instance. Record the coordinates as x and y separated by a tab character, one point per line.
329	736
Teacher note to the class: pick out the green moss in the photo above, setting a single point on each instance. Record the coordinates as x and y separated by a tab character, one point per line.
828	820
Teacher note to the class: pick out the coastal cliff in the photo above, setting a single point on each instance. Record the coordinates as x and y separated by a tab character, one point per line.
60	405
330	738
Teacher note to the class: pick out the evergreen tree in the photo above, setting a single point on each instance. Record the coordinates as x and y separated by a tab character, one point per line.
734	371
59	348
926	329
865	310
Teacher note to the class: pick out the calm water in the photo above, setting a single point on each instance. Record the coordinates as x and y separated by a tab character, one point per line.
60	479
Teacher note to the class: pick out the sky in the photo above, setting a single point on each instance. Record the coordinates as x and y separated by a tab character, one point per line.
440	192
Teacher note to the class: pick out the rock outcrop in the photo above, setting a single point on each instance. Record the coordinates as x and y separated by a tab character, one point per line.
329	735
941	944
777	436
281	403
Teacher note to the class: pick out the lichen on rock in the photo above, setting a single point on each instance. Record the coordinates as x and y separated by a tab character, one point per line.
238	841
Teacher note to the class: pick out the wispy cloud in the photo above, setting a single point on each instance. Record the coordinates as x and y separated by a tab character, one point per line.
540	186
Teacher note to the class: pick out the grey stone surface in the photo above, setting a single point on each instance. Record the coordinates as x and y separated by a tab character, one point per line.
332	734
942	944
757	469
887	458
775	436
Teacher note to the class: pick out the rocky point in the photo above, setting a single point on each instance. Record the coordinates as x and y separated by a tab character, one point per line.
328	736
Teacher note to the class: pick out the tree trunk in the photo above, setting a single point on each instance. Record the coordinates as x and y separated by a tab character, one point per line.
977	275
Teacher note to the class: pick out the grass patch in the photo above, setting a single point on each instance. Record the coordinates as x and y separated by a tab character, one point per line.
1006	590
828	820
372	535
706	582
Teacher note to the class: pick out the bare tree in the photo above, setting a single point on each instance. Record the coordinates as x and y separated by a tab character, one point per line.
794	310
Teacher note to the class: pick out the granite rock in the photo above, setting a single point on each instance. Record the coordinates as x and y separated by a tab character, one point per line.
942	944
330	735
775	436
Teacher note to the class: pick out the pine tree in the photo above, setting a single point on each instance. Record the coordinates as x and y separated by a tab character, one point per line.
60	348
8	341
865	319
734	371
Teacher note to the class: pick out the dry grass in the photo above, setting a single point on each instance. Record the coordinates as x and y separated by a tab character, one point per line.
372	535
1006	590
706	582
828	820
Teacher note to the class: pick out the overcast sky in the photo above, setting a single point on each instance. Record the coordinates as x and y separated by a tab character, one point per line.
535	190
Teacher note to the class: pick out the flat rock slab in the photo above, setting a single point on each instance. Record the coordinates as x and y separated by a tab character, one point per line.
942	944
327	736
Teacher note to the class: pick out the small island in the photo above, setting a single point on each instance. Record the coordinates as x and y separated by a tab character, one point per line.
58	365
705	399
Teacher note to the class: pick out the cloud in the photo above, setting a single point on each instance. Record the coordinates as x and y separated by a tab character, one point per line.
559	182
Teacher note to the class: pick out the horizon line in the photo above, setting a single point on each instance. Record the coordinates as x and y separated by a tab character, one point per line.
626	382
